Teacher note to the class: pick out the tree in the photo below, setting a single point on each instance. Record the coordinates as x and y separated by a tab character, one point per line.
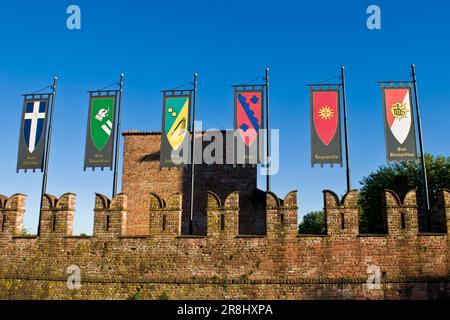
25	233
401	178
313	223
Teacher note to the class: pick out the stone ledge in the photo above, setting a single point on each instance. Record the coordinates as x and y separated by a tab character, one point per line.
133	237
238	281
140	133
79	237
25	237
372	235
190	237
256	236
312	236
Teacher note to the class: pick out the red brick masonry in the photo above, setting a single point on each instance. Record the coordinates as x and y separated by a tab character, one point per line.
222	264
138	248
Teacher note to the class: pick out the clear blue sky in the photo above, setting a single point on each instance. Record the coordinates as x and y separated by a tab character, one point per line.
160	44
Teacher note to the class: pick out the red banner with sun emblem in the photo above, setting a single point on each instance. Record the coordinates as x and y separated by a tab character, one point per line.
326	143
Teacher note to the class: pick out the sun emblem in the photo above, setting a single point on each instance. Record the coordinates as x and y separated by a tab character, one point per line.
326	113
399	111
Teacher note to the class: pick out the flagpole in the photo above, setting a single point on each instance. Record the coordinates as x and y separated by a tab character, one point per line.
422	154
116	158
344	99
194	107
47	152
268	131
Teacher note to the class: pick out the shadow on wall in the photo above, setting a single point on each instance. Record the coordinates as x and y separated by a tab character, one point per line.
150	157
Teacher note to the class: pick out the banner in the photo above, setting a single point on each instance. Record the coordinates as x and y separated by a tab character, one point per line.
175	142
399	124
33	134
326	142
100	132
248	125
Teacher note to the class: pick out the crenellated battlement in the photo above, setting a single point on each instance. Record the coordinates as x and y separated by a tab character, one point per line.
110	216
223	263
11	215
342	216
223	219
57	215
444	204
402	216
164	215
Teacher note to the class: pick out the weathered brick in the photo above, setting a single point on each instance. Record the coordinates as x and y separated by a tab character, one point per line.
139	250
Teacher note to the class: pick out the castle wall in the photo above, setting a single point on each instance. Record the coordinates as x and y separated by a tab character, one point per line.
403	264
143	176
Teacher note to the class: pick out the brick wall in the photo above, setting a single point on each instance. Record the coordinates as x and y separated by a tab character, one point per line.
224	264
142	176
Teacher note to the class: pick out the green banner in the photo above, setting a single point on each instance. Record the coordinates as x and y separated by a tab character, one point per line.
175	131
100	132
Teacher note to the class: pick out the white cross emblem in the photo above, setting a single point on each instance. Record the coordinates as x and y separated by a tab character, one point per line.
34	117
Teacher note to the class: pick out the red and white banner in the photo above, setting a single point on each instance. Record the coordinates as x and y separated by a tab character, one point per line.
326	146
399	124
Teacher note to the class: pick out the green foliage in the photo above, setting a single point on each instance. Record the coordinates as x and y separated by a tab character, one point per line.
135	296
25	233
313	223
401	178
164	296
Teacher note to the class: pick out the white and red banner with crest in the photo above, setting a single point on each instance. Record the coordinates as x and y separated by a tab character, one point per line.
399	124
